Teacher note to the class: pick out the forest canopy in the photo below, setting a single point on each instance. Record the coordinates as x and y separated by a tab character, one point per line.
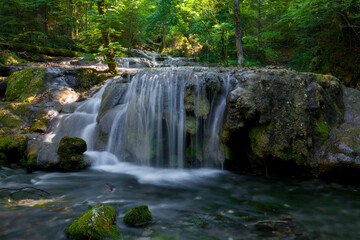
307	35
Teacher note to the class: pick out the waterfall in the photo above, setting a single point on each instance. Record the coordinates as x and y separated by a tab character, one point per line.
164	118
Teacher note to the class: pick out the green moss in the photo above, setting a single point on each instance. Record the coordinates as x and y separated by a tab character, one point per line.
38	124
138	216
87	78
191	125
260	143
30	162
258	139
25	85
96	223
20	109
323	130
70	153
199	105
12	148
9	120
288	155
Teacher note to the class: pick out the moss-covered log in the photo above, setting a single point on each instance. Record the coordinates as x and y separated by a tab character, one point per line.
38	49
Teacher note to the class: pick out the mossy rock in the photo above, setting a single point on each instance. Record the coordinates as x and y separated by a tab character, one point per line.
12	148
87	78
70	154
260	143
9	120
198	104
138	216
323	130
30	162
25	85
96	223
191	125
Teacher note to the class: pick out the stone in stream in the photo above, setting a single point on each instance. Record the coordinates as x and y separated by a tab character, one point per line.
138	216
70	154
96	223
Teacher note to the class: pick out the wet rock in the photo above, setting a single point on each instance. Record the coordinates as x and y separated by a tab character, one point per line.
290	113
341	152
138	216
46	155
96	223
70	154
134	63
112	96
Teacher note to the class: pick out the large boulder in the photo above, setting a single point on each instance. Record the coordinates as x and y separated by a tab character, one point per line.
288	114
96	223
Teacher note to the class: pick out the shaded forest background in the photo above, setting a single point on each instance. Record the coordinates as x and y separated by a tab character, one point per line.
312	35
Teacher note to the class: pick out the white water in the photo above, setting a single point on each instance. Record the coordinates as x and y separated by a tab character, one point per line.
148	125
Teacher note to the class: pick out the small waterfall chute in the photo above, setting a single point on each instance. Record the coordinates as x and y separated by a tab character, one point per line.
162	117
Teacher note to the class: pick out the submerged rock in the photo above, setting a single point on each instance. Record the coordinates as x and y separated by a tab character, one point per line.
96	223
138	216
70	154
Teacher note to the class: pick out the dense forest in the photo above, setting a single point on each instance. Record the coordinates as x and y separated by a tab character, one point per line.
311	35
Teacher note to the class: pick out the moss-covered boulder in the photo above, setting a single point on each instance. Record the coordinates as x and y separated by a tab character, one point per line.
289	114
12	149
70	154
138	216
9	120
25	85
96	223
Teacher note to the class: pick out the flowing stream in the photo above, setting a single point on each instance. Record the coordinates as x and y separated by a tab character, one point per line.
186	204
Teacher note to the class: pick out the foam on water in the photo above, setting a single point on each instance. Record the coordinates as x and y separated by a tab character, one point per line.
105	161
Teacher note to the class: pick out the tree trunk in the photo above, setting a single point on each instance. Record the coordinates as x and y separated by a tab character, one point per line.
163	43
259	30
105	35
238	34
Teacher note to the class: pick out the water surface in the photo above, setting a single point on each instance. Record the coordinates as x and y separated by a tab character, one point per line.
186	204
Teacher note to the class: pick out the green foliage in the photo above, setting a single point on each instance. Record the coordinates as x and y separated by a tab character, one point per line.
309	35
96	223
138	216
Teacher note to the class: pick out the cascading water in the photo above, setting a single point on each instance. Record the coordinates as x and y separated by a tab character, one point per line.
163	118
